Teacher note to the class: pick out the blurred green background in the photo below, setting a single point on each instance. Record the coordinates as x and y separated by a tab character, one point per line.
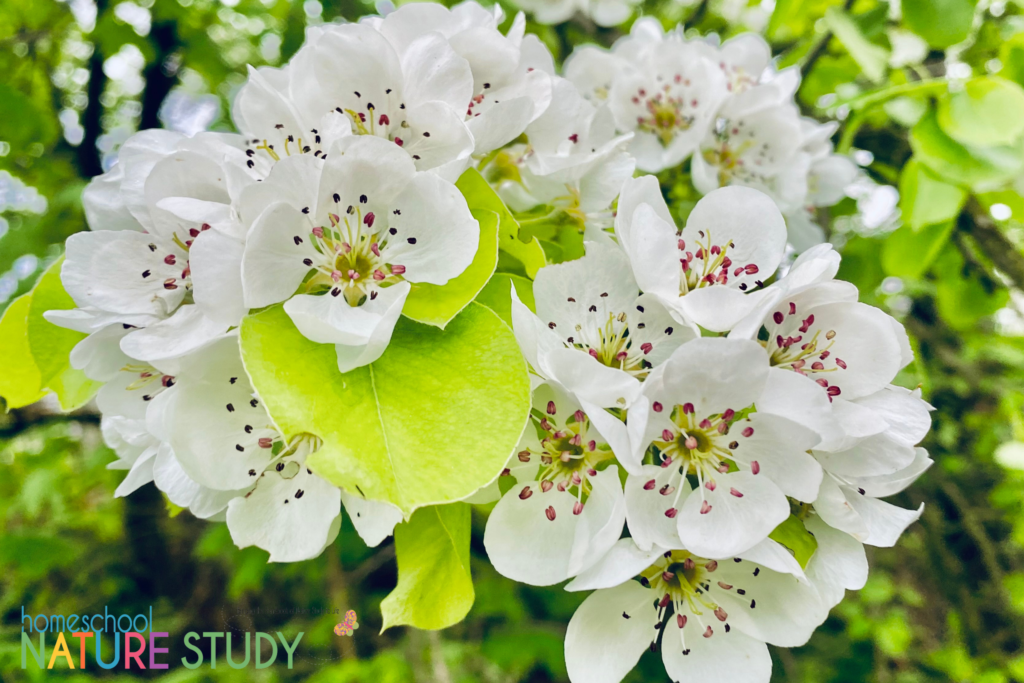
947	604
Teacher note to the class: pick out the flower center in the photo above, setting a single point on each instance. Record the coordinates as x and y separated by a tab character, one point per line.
350	256
684	581
568	456
710	265
696	446
666	112
812	358
737	155
612	345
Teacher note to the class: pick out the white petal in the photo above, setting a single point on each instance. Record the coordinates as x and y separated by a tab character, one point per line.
600	524
646	507
214	423
525	545
437	235
184	332
733	524
276	517
731	657
774	556
873	456
104	207
216	263
437	135
785	610
624	561
119	272
140	474
374	521
885	522
905	411
601	644
838	565
797	398
651	244
272	263
835	510
99	355
434	71
714	374
891	484
171	479
589	379
718	308
780	447
565	292
363	171
360	333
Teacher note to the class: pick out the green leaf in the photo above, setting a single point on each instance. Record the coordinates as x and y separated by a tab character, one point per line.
986	113
51	345
20	383
873	59
796	538
480	196
431	421
908	253
979	168
497	295
963	301
435	587
940	22
925	199
438	304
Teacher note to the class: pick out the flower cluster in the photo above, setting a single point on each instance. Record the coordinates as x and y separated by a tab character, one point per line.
722	107
735	413
734	448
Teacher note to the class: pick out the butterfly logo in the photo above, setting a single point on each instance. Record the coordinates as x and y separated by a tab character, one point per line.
350	624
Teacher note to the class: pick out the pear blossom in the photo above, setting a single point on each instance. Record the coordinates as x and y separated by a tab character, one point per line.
166	206
711	273
350	80
711	619
573	163
594	335
703	419
563	513
664	89
225	441
510	73
341	247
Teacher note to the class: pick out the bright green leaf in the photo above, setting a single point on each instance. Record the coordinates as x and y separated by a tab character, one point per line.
873	59
908	253
976	167
794	535
497	295
438	304
435	587
940	22
480	196
431	421
20	383
986	113
925	199
51	345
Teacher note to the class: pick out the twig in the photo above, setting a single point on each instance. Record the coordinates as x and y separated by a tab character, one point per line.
992	242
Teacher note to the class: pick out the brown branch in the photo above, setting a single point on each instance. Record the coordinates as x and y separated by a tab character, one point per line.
1003	254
